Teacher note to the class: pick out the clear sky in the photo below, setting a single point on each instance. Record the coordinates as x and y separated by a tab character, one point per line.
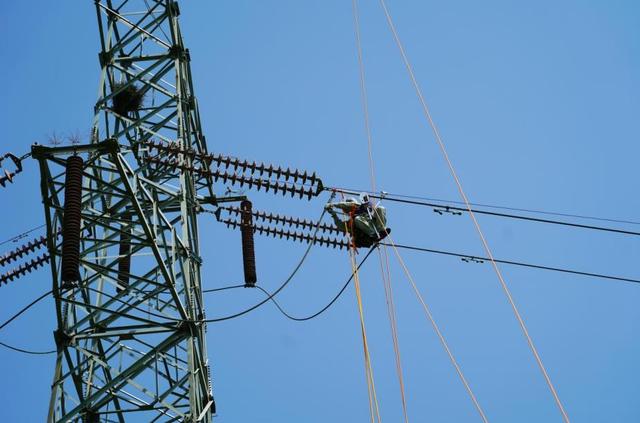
538	105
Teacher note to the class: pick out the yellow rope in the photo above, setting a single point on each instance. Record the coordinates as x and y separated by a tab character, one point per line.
373	399
391	311
485	244
386	281
439	333
374	408
363	94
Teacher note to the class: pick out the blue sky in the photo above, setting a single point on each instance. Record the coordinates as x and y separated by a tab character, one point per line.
537	104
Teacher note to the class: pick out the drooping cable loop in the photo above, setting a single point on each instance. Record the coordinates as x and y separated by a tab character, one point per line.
280	288
25	351
319	312
25	308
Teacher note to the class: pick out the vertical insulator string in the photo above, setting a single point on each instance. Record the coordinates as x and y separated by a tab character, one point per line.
71	221
248	250
124	254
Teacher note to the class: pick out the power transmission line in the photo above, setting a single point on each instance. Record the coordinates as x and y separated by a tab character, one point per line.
515	263
534	211
22	235
25	308
15	316
493	206
271	297
24	351
447	207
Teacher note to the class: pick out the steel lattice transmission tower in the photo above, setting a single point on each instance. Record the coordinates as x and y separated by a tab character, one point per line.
123	234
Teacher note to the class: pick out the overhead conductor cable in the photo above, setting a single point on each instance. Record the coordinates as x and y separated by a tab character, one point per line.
15	316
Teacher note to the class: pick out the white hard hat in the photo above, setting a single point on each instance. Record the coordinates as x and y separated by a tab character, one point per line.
364	198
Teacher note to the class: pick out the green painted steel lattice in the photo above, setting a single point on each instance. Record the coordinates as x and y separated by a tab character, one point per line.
134	350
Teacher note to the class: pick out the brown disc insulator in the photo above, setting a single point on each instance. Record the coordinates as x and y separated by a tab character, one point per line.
124	253
71	221
248	251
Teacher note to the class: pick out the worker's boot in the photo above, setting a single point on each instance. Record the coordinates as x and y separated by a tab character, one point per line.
384	234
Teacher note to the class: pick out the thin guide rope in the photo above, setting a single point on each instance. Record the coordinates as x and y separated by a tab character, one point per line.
386	281
371	390
485	244
391	311
363	94
439	333
373	399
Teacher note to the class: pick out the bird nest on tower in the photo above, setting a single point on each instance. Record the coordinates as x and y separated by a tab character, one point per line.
129	98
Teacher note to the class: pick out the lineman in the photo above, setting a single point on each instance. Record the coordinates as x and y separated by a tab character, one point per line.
367	222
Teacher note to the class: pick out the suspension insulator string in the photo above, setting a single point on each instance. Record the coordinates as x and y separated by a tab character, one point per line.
284	187
24	268
290	235
285	220
22	250
236	164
